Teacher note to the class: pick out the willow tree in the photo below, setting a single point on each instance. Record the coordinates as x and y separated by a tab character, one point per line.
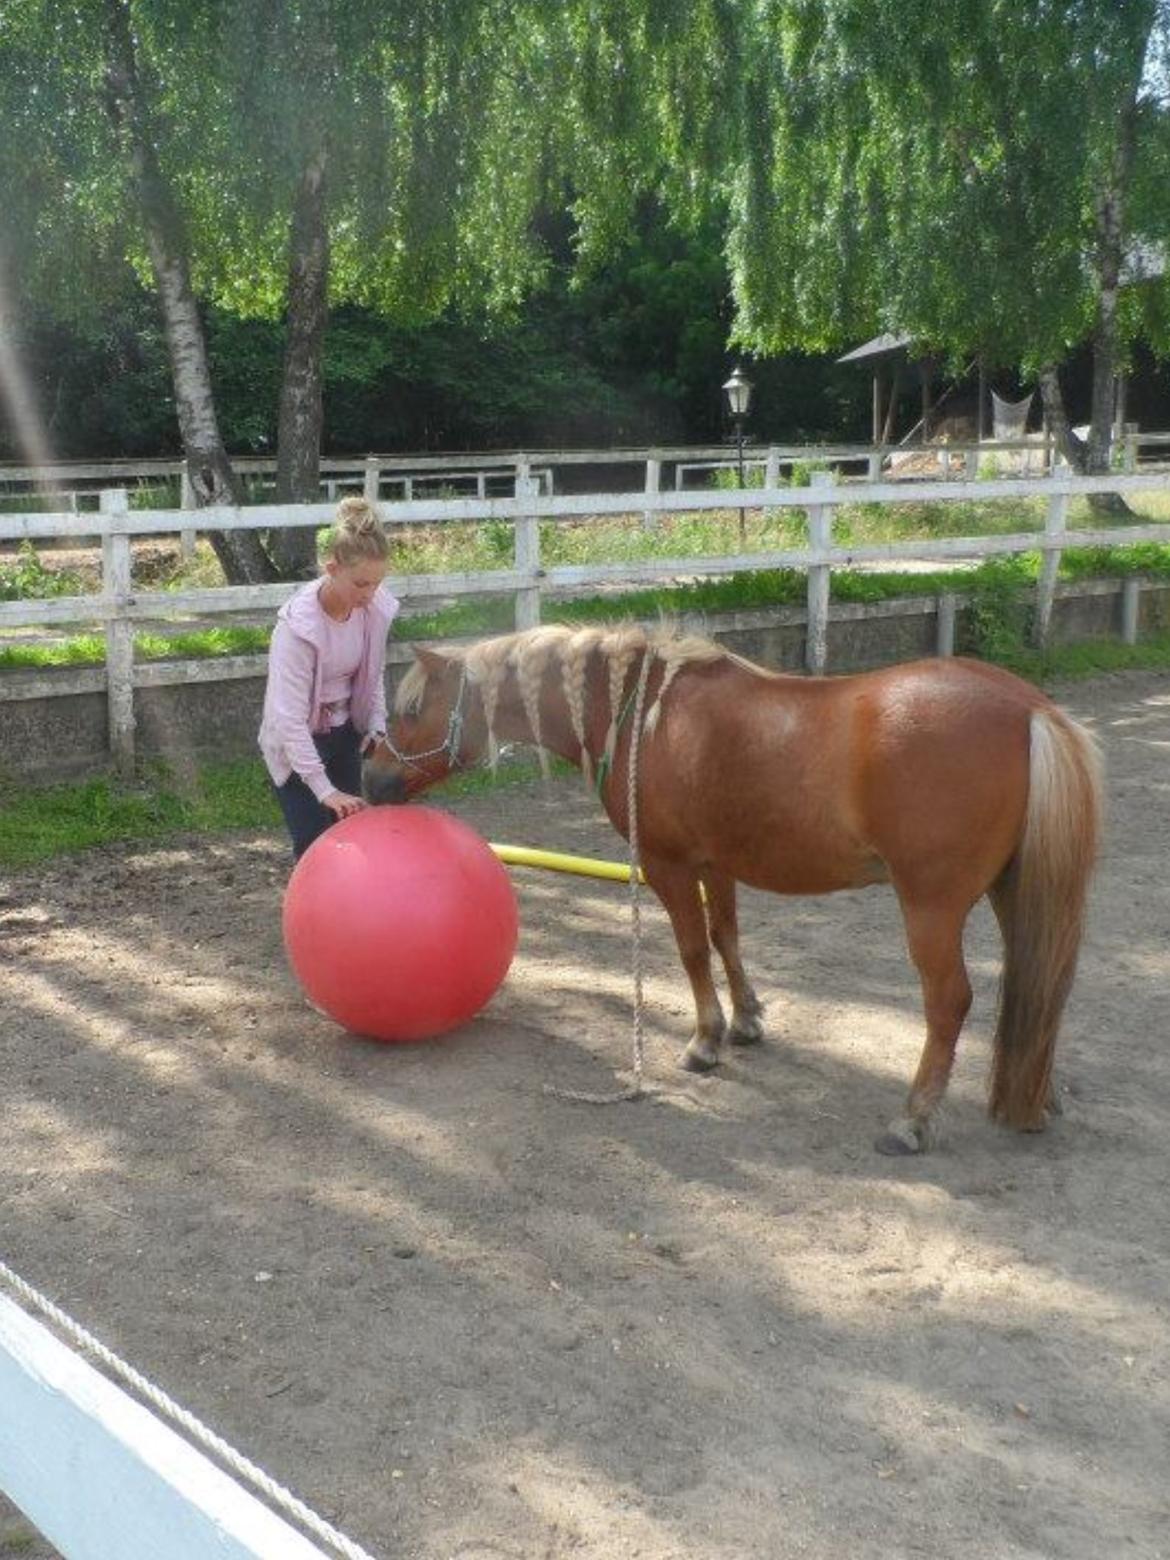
978	176
275	159
90	127
381	167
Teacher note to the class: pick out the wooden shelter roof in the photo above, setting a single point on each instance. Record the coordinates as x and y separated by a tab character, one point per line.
880	346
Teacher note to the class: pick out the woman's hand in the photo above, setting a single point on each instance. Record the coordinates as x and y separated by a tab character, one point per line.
341	804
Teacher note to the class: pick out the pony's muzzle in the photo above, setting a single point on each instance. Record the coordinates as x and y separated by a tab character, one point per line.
382	785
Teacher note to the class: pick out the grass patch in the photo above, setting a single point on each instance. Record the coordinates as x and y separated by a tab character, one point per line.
1093	658
751	590
36	825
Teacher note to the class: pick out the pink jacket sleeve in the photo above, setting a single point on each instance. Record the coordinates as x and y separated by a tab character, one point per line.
291	673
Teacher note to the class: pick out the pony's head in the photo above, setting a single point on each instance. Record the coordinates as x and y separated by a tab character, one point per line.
437	727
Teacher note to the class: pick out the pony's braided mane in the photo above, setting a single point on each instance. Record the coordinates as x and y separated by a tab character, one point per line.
528	654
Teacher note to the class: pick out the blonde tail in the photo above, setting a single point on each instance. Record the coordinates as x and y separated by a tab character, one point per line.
1040	902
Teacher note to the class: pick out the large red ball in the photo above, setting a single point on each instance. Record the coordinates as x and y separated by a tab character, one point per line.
400	922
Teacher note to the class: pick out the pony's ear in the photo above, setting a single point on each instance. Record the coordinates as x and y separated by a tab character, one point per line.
431	661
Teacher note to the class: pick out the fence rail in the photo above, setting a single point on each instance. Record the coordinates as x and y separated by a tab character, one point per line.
376	473
120	604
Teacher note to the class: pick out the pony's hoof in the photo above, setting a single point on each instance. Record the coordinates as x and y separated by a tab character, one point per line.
746	1031
901	1137
698	1061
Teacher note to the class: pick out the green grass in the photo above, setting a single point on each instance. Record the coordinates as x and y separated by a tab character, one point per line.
736	592
1092	658
37	824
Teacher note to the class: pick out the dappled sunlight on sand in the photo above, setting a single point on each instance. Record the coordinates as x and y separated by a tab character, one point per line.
471	1318
56	1144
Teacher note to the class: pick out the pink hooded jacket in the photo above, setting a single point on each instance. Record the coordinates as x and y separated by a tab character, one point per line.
293	709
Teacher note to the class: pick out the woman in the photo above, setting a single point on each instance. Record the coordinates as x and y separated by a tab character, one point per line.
326	700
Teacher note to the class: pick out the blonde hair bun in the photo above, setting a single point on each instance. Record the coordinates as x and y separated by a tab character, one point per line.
358	534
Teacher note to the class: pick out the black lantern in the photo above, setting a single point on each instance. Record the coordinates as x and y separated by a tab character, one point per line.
738	394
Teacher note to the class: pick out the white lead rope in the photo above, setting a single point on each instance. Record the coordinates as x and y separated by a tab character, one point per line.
636	1089
236	1461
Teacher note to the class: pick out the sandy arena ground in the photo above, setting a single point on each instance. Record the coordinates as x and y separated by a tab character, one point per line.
466	1319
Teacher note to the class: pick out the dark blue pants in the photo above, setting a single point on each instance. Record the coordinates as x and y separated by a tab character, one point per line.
304	815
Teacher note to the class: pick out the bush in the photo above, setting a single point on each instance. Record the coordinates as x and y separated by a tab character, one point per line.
27	579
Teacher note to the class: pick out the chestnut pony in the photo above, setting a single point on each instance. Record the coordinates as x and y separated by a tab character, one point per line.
949	779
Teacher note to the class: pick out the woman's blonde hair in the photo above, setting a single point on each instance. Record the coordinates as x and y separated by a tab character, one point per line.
357	535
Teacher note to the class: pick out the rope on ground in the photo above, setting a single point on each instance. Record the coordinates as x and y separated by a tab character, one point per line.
637	1088
248	1471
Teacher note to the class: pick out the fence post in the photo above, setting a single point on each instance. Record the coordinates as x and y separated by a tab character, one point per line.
186	501
653	486
820	538
971	463
772	468
527	547
372	480
116	585
1129	459
873	466
945	624
1054	525
1131	596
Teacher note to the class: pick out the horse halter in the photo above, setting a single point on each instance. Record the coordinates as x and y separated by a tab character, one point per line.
449	747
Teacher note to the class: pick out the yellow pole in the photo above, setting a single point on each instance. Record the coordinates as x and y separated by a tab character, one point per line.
553	861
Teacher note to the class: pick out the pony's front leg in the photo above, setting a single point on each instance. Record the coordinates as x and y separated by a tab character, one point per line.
746	1008
678	889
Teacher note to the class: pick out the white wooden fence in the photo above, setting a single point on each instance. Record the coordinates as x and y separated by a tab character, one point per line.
104	1478
120	605
397	476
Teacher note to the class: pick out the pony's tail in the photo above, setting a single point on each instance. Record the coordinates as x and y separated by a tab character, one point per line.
1040	903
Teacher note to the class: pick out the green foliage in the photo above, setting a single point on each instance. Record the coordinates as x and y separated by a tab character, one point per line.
939	171
1151	559
1000	609
26	577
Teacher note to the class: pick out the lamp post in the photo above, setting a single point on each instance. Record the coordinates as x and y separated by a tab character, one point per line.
738	394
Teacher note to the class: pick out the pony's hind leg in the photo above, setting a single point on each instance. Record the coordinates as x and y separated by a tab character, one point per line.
678	888
746	1025
935	937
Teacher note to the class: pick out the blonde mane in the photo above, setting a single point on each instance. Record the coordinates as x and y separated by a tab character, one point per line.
529	653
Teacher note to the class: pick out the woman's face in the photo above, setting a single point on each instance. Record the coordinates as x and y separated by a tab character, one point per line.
354	583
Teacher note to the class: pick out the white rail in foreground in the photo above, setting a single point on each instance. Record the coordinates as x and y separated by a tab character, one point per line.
103	1478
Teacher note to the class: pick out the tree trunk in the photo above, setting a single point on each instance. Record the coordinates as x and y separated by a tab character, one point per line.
212	479
298	453
1077	451
1073	448
1108	259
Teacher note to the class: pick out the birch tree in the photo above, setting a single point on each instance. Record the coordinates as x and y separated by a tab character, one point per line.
275	159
